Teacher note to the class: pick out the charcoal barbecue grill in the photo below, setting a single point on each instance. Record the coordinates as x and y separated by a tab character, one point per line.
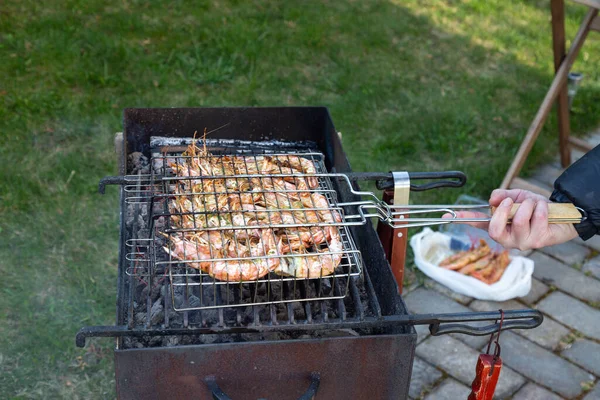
181	333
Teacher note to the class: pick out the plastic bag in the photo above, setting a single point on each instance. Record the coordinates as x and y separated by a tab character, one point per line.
430	248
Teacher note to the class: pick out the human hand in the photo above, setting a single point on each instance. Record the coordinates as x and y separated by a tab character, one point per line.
529	228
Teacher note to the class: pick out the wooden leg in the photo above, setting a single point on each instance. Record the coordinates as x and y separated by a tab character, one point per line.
394	243
557	84
562	101
399	243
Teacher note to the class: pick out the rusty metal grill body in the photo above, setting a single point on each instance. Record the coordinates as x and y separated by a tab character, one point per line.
182	334
271	335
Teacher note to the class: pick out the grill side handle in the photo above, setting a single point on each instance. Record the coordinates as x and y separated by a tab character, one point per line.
442	324
219	394
110	180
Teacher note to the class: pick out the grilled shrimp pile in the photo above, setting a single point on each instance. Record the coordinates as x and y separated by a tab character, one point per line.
479	262
245	247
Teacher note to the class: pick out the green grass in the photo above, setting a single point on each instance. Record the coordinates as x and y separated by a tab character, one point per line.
418	85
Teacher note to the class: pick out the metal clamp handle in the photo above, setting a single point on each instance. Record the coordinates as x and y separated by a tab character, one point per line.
453	179
219	394
385	181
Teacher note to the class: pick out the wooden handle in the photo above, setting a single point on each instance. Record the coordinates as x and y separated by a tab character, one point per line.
558	213
487	373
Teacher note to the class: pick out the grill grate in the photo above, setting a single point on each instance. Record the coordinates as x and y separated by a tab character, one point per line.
172	199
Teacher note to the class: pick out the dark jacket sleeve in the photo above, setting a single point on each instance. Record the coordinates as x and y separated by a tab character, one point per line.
580	184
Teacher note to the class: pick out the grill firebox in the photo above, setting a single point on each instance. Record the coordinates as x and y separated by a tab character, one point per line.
181	334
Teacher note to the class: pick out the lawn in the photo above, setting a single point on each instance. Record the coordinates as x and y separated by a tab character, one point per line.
411	84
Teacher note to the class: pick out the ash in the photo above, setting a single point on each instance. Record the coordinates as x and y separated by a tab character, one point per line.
154	299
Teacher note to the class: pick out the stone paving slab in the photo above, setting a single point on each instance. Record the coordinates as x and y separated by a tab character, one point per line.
438	287
593	242
547	335
541	185
547	174
594	394
520	253
423	377
542	366
424	301
531	391
449	390
573	313
586	354
568	279
538	289
459	361
592	267
569	252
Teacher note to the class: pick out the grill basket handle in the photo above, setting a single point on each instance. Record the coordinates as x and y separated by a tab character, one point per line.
385	181
219	394
450	179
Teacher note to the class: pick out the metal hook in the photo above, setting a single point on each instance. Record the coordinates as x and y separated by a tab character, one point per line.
497	348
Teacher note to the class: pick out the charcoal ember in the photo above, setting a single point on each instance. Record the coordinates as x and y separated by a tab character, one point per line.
159	163
339	333
164	291
140	318
129	216
179	301
138	163
171	341
193	301
139	293
143	233
195	317
211	317
155	341
325	285
157	314
187	339
175	318
133	214
159	223
179	290
299	312
139	220
154	290
209	338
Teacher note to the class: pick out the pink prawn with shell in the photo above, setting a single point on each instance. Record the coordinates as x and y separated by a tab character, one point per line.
235	229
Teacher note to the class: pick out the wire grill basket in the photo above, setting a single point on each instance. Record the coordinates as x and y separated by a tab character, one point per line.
216	232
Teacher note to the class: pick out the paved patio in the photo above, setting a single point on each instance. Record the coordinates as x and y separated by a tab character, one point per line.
558	360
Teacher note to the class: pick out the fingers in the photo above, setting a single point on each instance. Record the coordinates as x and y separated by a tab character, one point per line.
539	225
500	194
517	195
498	230
521	228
